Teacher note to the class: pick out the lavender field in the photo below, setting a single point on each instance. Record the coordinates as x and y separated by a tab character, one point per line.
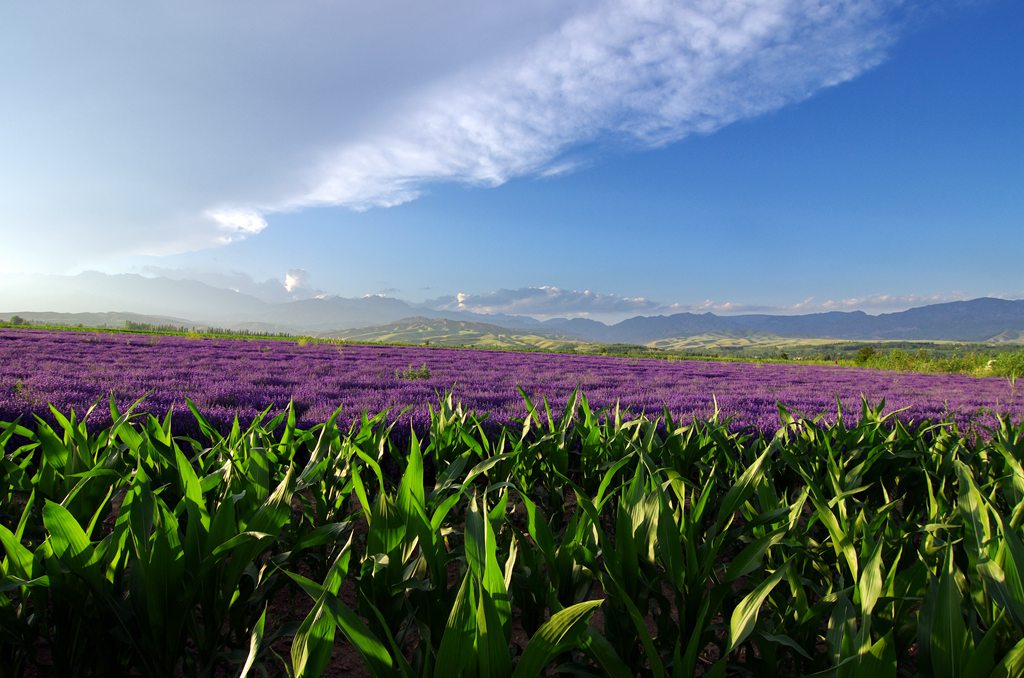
228	376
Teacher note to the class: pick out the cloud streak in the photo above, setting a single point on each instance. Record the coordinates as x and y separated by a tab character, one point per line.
155	130
634	73
545	302
236	224
214	125
870	303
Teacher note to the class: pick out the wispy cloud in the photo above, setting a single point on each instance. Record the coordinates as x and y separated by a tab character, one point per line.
637	73
163	129
718	308
549	302
545	302
368	104
869	303
881	302
296	279
236	224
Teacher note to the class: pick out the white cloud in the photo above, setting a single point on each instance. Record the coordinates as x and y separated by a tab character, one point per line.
296	279
550	302
236	223
883	301
545	302
295	284
718	308
124	127
130	131
869	303
636	72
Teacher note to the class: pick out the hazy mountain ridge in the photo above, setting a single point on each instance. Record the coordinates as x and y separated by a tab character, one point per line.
984	319
191	303
109	319
200	304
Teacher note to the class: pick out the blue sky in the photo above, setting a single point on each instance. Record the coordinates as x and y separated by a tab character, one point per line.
574	158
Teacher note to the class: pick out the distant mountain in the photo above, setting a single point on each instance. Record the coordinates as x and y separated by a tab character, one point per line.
333	313
977	320
189	302
98	293
592	330
1008	338
112	320
983	319
200	303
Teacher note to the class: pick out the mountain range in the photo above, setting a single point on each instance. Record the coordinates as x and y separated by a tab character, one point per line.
112	299
983	319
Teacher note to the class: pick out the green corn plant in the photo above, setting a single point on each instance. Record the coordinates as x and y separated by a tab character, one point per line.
995	594
558	567
828	549
23	585
16	466
314	640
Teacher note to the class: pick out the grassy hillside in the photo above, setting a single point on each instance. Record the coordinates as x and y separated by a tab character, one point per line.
443	332
754	343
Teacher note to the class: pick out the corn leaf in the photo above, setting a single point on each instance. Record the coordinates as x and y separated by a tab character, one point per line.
744	617
551	637
1012	663
456	652
948	638
255	640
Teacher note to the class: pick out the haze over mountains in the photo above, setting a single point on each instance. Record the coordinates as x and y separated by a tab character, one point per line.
112	299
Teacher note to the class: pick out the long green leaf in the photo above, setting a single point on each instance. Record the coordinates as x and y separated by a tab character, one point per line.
20	558
456	652
66	535
255	640
880	661
548	641
948	639
743	488
870	587
1012	663
744	617
373	652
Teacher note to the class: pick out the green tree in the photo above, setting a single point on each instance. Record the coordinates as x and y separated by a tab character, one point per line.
865	354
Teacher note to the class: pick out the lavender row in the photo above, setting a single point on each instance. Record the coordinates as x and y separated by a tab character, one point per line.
225	377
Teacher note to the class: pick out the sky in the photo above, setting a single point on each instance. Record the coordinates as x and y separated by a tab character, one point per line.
601	158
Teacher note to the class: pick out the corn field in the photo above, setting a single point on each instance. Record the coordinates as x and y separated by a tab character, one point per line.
581	542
